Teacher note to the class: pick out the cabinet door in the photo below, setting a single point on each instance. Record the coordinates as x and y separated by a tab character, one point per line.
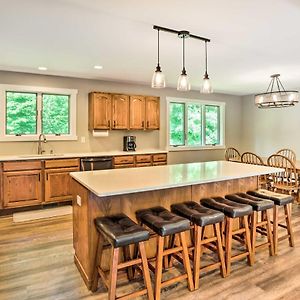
152	113
120	112
99	111
22	188
58	184
137	112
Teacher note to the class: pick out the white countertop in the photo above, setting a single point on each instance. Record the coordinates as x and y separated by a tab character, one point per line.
80	154
132	180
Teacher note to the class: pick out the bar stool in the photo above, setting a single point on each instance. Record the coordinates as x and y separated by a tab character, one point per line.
166	224
201	217
264	226
232	211
281	201
120	231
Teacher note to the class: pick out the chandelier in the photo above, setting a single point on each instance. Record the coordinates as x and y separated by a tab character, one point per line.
158	78
273	98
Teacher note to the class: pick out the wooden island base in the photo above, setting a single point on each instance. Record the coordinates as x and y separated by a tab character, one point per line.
92	206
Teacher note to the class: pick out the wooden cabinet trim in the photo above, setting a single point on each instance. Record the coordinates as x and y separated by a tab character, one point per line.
61	163
22	165
122	166
147	158
159	157
126	159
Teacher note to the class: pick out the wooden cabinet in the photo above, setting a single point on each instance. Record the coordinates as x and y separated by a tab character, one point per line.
125	161
160	157
22	184
137	112
99	111
152	113
58	180
144	158
123	112
120	112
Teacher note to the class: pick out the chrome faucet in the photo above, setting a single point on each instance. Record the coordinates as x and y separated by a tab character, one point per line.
40	148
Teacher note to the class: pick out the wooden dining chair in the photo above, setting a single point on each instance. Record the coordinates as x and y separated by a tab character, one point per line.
285	181
254	159
288	153
232	154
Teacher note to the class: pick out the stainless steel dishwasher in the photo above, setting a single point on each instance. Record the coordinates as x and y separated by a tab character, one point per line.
96	163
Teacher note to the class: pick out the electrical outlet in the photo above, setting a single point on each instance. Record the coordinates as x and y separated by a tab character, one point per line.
78	199
82	139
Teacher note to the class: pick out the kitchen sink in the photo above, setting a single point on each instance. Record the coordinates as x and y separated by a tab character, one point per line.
40	155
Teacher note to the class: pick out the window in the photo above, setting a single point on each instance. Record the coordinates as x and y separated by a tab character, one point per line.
195	124
29	111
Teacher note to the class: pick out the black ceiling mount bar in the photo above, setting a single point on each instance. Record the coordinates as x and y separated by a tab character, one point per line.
181	33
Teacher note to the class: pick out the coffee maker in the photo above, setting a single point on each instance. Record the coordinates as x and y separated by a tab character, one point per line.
129	143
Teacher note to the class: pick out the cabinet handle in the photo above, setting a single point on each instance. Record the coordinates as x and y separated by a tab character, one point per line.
143	123
47	176
147	124
108	123
114	123
39	176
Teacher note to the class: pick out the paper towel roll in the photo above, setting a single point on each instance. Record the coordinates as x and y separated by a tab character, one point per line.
100	133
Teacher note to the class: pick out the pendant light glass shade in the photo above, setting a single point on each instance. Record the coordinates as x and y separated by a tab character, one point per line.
206	87
158	78
183	83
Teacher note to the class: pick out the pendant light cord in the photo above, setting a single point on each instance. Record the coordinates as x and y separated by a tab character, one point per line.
158	47
183	56
206	57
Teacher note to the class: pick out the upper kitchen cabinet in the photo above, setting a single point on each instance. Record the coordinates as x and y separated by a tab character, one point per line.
137	112
123	112
120	112
152	112
100	111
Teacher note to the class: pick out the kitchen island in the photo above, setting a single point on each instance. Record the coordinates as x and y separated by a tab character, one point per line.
99	193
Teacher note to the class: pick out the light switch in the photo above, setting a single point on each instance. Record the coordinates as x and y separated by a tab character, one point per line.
82	139
78	199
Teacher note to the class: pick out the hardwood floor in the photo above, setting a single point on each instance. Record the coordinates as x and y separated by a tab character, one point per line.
36	262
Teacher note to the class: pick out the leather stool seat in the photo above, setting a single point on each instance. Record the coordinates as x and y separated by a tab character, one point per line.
120	230
162	221
230	208
197	214
277	198
258	204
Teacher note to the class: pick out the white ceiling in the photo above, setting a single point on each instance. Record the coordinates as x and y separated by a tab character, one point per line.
251	39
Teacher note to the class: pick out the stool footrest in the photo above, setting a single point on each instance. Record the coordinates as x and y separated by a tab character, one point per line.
239	256
173	280
130	263
172	250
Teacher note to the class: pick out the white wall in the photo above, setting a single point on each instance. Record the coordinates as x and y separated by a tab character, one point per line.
152	139
264	131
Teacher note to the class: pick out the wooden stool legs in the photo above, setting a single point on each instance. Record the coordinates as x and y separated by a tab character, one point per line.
230	233
111	280
161	253
288	226
199	242
257	226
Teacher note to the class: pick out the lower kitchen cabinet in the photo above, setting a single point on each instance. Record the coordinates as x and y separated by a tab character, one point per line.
22	188
58	184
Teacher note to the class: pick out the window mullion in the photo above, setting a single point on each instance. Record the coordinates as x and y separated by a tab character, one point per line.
203	123
186	129
39	114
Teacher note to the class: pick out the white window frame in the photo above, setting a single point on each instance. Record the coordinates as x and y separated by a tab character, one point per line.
196	147
72	93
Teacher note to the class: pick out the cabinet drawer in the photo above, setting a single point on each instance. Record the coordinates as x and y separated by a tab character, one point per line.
143	165
124	166
159	157
61	163
128	159
143	158
22	165
160	163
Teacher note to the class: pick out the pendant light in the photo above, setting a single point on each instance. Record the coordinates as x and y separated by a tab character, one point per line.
183	80
206	85
276	98
158	78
